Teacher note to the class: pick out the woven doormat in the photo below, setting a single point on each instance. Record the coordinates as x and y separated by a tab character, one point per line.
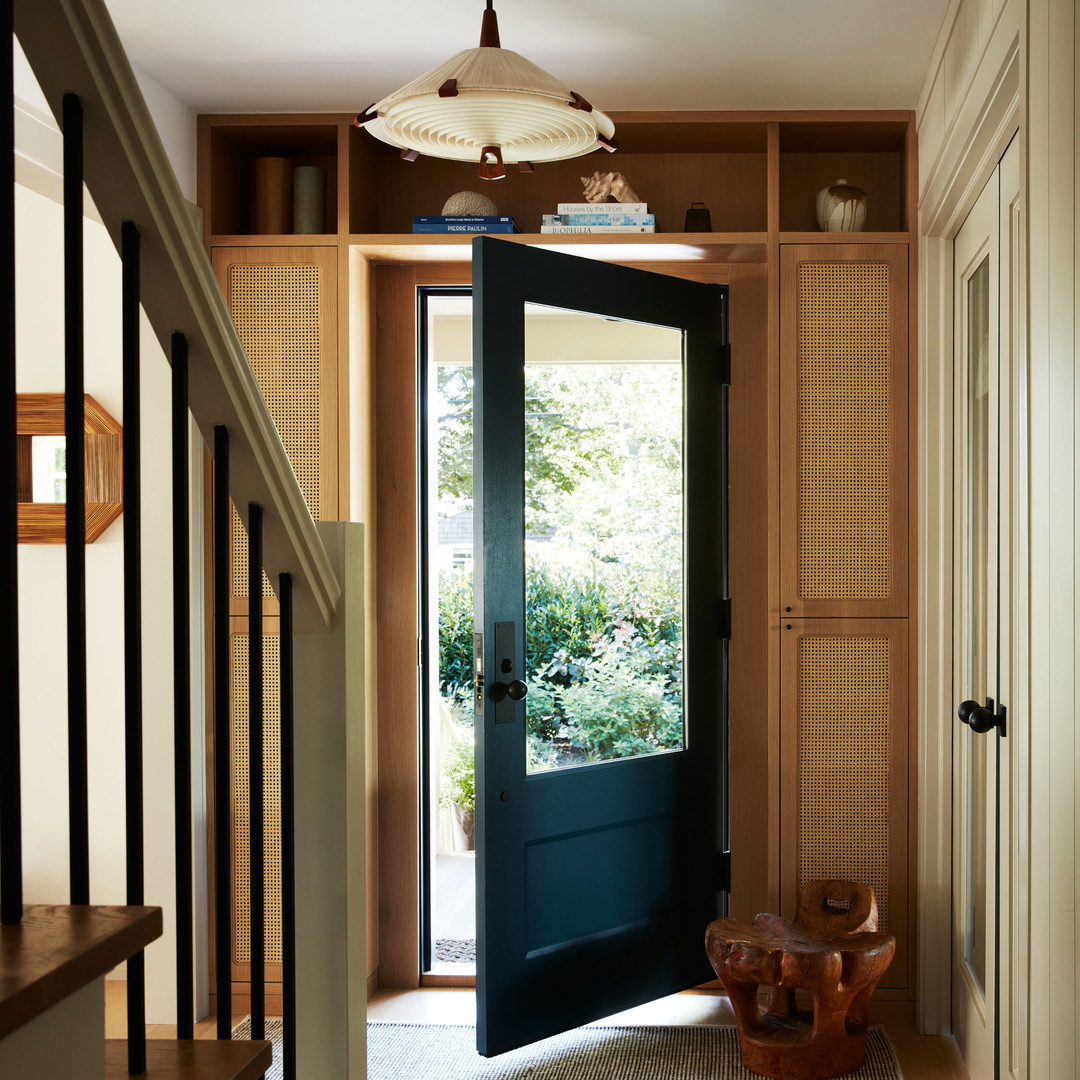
420	1051
455	950
414	1051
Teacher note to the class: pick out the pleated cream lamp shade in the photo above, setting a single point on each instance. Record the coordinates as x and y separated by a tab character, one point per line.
489	105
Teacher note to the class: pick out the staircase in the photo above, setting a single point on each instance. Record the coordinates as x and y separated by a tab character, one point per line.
54	958
52	1001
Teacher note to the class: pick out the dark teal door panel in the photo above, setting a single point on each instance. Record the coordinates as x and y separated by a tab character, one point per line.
596	878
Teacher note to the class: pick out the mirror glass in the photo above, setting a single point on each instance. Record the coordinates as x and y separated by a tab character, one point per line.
48	459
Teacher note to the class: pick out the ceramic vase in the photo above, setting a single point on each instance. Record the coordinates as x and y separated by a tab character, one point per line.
463	828
841	207
309	200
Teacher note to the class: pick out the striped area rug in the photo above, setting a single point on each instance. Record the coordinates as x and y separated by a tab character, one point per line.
443	1052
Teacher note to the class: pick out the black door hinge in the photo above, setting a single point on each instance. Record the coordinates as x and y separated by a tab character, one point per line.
723	871
723	364
723	619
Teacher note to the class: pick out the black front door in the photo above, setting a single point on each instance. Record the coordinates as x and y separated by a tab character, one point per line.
601	663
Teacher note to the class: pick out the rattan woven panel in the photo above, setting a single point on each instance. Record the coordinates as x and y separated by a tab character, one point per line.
843	470
277	311
844	761
271	801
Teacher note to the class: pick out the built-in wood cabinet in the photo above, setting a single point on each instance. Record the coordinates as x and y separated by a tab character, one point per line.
821	551
758	173
284	303
845	575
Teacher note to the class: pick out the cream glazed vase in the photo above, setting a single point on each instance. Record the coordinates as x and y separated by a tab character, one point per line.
841	207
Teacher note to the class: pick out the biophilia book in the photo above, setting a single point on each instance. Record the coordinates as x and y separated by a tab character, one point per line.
598	228
598	219
602	208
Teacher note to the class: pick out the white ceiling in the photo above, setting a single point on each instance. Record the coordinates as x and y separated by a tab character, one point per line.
342	55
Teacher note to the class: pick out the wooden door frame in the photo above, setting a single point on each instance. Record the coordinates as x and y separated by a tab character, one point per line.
754	690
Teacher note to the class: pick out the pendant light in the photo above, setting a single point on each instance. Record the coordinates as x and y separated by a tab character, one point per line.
489	105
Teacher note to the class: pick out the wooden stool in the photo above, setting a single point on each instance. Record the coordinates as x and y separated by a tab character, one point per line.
832	949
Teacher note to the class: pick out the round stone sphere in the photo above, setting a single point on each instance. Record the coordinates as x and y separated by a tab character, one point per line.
469	204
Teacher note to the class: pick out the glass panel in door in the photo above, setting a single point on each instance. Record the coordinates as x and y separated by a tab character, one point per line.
604	538
978	572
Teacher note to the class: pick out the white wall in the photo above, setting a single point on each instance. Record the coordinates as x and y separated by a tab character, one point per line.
175	122
42	572
964	119
43	664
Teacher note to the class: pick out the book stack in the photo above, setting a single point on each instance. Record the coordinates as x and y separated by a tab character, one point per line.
439	223
588	217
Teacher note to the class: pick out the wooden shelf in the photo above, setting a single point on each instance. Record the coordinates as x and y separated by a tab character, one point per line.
747	247
192	1059
730	161
275	240
57	950
844	238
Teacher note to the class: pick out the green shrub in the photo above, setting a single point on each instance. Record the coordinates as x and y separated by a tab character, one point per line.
606	670
457	785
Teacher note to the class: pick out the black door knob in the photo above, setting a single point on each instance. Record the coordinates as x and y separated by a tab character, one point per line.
515	690
977	717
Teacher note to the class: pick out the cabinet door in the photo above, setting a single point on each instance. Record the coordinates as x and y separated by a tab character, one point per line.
844	764
284	304
844	430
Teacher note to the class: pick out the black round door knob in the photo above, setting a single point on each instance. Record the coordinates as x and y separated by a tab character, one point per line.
976	716
516	690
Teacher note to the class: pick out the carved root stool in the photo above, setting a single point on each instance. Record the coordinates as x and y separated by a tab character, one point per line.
833	950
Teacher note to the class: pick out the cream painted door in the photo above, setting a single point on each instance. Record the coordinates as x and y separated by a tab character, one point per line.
982	649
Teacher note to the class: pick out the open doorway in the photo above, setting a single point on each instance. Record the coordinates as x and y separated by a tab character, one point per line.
603	579
448	890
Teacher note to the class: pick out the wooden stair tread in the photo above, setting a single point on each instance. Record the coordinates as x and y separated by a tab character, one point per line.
59	949
192	1059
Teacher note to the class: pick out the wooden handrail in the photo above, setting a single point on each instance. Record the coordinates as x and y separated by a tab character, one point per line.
73	46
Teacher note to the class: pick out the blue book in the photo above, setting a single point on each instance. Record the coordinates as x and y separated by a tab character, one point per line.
440	219
470	227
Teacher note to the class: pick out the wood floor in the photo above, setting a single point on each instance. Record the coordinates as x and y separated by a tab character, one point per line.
922	1057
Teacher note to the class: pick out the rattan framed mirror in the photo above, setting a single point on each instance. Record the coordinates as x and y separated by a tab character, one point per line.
42	468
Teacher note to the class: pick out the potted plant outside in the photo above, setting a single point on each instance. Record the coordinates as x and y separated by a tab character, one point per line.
457	792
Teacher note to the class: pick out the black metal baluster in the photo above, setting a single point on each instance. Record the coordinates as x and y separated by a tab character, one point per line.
11	900
75	533
185	975
256	846
288	834
133	674
222	755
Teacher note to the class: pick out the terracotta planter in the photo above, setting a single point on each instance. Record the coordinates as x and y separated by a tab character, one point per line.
463	824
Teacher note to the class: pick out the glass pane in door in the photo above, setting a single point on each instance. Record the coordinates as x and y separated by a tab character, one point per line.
604	544
977	588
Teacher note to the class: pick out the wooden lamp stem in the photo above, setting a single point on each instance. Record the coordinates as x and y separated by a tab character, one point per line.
489	29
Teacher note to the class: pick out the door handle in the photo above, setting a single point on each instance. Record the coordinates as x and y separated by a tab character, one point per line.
977	717
515	690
